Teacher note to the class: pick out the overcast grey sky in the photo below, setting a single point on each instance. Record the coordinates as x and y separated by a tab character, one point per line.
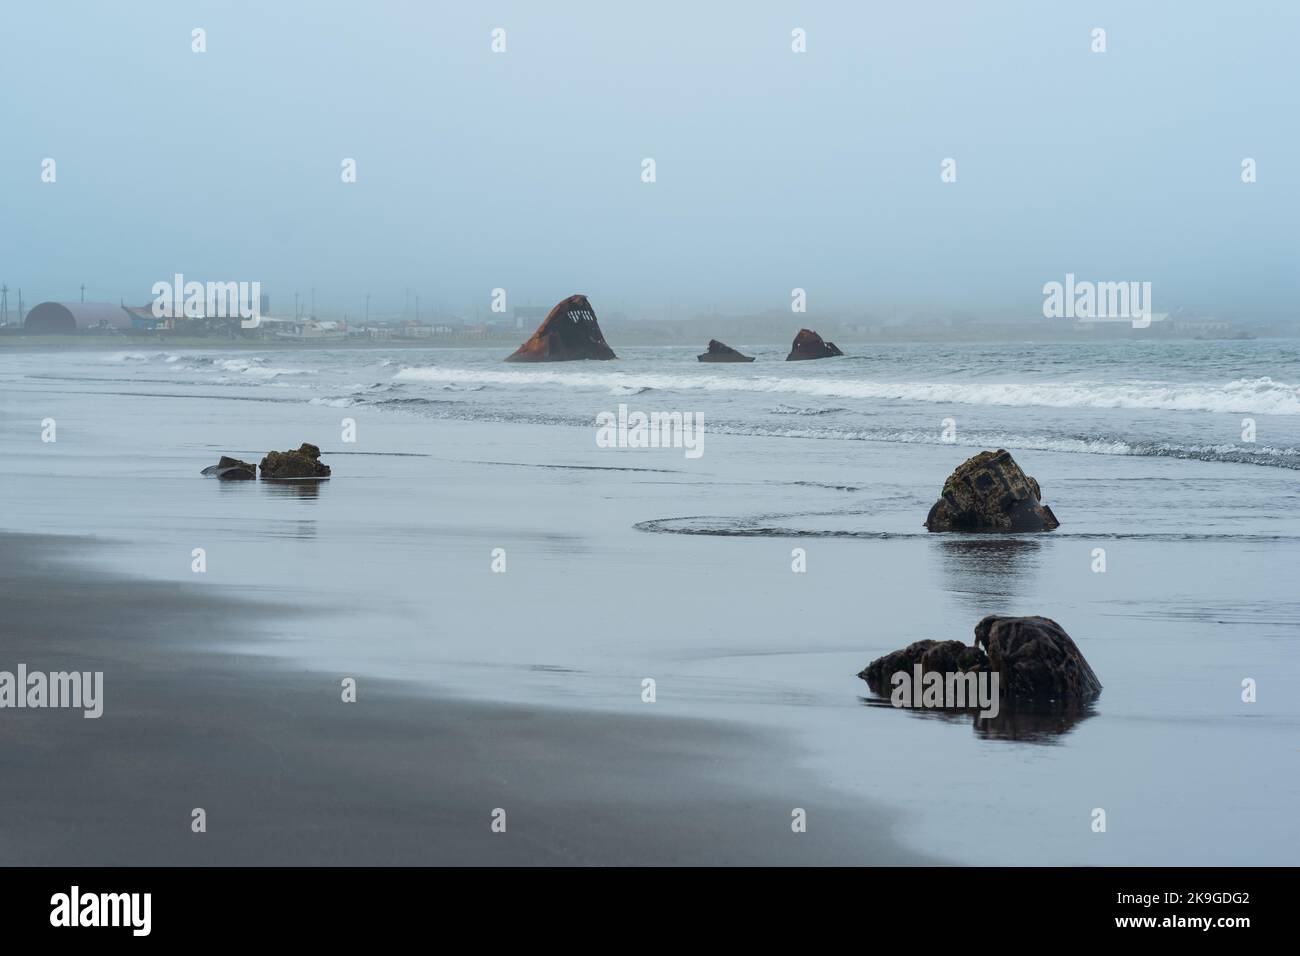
774	169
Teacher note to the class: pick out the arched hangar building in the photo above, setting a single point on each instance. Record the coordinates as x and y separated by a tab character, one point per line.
59	317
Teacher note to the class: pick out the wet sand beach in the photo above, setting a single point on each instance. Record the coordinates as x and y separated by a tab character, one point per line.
622	565
289	774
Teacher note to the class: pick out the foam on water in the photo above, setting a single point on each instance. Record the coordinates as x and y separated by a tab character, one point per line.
1160	400
256	368
1260	396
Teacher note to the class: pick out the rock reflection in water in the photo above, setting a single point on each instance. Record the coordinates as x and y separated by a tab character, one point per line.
1025	722
296	488
989	573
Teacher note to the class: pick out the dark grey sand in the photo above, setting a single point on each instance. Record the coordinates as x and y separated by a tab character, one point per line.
289	774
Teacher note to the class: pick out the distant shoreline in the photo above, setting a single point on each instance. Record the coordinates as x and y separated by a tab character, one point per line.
117	343
618	338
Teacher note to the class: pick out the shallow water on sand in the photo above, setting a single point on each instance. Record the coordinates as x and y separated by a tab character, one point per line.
390	562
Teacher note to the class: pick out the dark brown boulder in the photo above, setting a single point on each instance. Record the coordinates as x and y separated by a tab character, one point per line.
717	352
809	345
568	333
989	492
288	465
1036	659
946	657
231	469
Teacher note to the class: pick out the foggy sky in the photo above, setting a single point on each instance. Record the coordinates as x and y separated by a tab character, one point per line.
775	170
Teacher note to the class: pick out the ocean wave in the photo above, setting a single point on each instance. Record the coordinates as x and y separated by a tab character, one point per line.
806	410
1264	455
1260	396
123	357
1287	457
254	368
413	401
762	526
346	401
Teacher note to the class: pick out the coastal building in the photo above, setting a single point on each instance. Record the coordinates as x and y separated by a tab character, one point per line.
143	319
411	329
1202	327
529	316
312	329
57	318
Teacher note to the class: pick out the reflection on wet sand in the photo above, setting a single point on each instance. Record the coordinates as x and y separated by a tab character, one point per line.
1024	722
304	488
989	572
296	488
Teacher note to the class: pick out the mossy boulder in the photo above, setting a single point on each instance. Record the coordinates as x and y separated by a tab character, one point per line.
945	657
1035	660
989	492
289	465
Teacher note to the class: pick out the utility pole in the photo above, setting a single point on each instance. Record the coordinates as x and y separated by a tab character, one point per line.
417	307
295	306
313	302
4	305
83	292
367	308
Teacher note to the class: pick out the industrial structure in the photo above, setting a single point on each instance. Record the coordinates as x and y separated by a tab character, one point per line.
66	317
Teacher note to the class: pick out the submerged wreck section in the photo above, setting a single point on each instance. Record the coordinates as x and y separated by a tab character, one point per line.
717	352
568	333
231	469
809	345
